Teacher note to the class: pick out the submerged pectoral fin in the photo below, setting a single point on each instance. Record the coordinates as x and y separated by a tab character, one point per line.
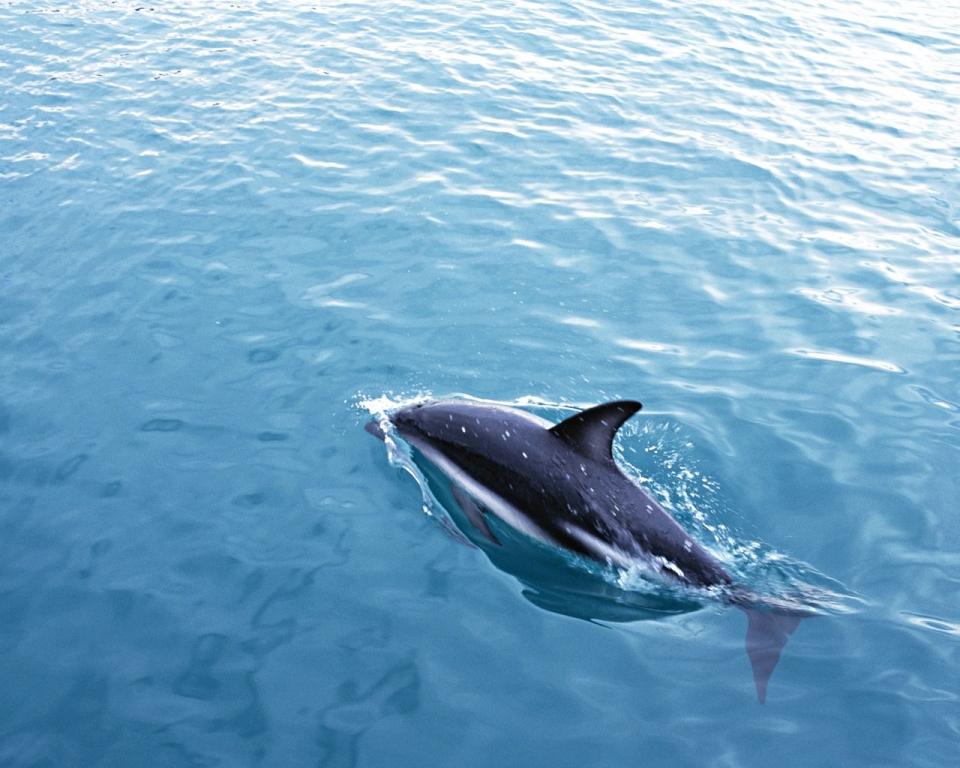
473	513
766	636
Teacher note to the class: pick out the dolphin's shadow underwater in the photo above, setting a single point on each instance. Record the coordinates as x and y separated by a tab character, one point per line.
549	504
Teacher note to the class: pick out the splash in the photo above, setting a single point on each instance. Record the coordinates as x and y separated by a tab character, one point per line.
671	472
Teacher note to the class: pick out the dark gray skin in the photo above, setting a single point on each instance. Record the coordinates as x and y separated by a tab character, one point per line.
564	479
561	485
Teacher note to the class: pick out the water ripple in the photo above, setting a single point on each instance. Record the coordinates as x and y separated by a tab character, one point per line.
219	222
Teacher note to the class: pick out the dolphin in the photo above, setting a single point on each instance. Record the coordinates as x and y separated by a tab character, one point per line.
560	485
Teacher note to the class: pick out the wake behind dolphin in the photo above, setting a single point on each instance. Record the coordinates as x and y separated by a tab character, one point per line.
560	485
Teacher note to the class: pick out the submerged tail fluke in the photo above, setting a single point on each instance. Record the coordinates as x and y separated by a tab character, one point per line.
766	636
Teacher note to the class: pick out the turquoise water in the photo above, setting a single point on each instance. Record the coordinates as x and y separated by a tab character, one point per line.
228	232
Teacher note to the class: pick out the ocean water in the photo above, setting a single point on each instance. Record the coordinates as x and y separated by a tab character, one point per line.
231	232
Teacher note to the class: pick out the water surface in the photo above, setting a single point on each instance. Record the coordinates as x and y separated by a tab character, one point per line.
224	227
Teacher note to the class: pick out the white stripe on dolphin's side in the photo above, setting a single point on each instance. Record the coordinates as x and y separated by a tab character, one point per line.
493	502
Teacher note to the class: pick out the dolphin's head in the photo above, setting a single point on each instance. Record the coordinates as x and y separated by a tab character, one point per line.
407	420
431	421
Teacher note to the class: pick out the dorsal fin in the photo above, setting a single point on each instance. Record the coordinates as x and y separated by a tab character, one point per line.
591	432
